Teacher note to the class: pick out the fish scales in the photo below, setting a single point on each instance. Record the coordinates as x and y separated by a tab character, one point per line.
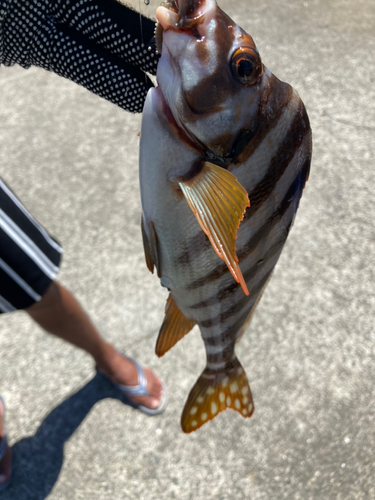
225	153
259	172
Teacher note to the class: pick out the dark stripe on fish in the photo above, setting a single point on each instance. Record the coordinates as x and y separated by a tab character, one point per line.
194	247
238	306
274	100
229	366
240	143
262	232
296	187
248	276
279	162
225	354
231	331
294	194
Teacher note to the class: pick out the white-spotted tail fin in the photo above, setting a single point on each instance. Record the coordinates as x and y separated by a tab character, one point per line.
215	392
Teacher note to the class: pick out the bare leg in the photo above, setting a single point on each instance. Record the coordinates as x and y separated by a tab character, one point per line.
61	314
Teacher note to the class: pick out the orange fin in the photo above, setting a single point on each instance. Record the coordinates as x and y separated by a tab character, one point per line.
150	246
219	202
214	393
174	327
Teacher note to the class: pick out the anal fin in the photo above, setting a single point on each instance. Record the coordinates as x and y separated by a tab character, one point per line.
175	326
215	392
218	202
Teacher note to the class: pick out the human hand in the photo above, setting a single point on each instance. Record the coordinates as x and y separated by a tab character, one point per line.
100	44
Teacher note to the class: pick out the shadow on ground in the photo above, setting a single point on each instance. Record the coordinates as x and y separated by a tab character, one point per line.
38	459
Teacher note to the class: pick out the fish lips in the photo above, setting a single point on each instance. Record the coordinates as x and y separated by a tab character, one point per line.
183	14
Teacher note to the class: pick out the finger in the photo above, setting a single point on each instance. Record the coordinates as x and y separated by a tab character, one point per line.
113	26
71	55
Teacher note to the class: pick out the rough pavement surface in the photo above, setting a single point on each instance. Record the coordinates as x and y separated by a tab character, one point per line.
309	353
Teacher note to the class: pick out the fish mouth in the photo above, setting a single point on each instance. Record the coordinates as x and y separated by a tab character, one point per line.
177	14
190	11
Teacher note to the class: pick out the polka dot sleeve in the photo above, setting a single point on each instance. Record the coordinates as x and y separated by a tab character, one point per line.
100	44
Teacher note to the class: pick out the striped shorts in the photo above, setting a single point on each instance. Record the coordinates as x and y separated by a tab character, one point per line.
29	256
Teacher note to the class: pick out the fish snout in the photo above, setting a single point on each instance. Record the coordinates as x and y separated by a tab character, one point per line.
190	12
180	13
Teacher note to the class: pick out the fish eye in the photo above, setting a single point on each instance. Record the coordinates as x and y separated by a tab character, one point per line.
246	65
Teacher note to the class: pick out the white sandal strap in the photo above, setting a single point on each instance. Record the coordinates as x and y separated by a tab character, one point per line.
141	388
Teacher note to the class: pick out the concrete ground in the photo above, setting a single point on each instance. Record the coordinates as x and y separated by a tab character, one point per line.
309	353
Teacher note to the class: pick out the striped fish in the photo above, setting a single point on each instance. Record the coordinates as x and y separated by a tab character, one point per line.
224	156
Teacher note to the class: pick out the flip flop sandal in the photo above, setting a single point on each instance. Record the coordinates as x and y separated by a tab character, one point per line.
130	391
4	448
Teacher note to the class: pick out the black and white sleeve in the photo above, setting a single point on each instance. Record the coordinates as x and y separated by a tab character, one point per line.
100	44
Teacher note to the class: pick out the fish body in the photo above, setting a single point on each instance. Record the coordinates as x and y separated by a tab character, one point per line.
224	156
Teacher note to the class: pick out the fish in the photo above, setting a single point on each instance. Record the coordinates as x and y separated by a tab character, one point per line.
225	152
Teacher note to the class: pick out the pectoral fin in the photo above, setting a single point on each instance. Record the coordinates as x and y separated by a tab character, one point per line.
150	246
218	201
174	327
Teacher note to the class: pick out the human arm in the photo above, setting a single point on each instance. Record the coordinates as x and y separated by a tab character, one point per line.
100	44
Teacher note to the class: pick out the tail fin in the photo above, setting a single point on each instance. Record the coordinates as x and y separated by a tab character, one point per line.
215	392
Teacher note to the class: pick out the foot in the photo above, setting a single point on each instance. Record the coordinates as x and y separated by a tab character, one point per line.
6	461
121	370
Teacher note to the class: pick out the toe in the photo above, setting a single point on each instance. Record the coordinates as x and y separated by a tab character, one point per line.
123	371
155	389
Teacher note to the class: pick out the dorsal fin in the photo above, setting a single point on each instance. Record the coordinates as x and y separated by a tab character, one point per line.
218	201
174	327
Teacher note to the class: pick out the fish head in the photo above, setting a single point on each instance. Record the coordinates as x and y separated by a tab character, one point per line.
210	73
